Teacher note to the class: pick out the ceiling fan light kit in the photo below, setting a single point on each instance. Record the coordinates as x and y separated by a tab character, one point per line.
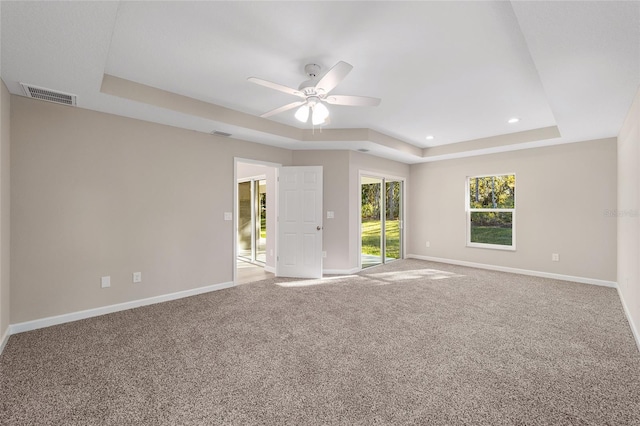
302	114
319	112
314	93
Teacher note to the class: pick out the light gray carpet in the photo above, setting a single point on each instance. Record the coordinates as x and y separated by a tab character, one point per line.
411	342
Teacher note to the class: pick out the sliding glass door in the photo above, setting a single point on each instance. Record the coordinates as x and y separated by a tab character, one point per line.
252	220
392	220
380	220
370	223
261	220
245	222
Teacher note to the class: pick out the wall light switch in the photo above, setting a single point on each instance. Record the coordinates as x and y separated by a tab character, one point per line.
330	214
105	282
228	216
137	277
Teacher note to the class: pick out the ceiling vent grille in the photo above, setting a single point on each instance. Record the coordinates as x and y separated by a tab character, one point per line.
219	133
48	95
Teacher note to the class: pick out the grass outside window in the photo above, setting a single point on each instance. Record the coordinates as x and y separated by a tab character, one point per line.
371	231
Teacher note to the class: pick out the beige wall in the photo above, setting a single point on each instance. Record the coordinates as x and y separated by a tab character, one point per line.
628	215
95	194
5	191
563	194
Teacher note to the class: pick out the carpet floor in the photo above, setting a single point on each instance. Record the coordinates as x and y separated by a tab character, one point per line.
411	342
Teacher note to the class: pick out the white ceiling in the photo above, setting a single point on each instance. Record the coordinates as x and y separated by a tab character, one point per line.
455	70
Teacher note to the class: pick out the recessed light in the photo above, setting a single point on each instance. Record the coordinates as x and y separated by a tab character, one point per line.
513	120
430	137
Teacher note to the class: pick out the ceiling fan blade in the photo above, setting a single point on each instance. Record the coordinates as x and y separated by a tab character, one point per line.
276	86
283	108
334	76
352	100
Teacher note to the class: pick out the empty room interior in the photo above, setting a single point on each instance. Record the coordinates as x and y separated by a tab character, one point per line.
320	212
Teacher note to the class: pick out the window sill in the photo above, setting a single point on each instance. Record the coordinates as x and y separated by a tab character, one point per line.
491	246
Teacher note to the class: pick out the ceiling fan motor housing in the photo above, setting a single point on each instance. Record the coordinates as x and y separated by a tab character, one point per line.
312	70
308	87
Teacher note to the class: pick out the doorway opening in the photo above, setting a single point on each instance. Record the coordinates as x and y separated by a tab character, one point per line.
381	223
255	213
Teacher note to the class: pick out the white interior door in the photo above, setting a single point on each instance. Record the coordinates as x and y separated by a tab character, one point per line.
300	222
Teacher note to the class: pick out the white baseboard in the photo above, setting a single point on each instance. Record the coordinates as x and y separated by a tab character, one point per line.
270	269
89	313
634	330
582	280
5	339
340	271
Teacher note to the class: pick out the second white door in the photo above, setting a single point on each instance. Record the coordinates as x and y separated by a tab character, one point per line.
300	222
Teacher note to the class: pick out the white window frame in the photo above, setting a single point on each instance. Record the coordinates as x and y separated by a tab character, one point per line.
469	210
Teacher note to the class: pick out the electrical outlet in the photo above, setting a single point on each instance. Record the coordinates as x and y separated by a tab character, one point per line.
428	244
137	277
555	257
324	254
105	282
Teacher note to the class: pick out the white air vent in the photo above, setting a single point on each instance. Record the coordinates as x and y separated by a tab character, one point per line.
48	94
219	133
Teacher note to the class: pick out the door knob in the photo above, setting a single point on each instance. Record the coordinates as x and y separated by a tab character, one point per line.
318	227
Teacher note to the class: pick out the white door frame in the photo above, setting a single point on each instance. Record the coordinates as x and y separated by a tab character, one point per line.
385	176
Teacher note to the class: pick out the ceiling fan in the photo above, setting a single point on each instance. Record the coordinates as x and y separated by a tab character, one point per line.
315	92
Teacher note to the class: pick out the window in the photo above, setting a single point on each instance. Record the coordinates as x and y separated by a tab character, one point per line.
491	212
